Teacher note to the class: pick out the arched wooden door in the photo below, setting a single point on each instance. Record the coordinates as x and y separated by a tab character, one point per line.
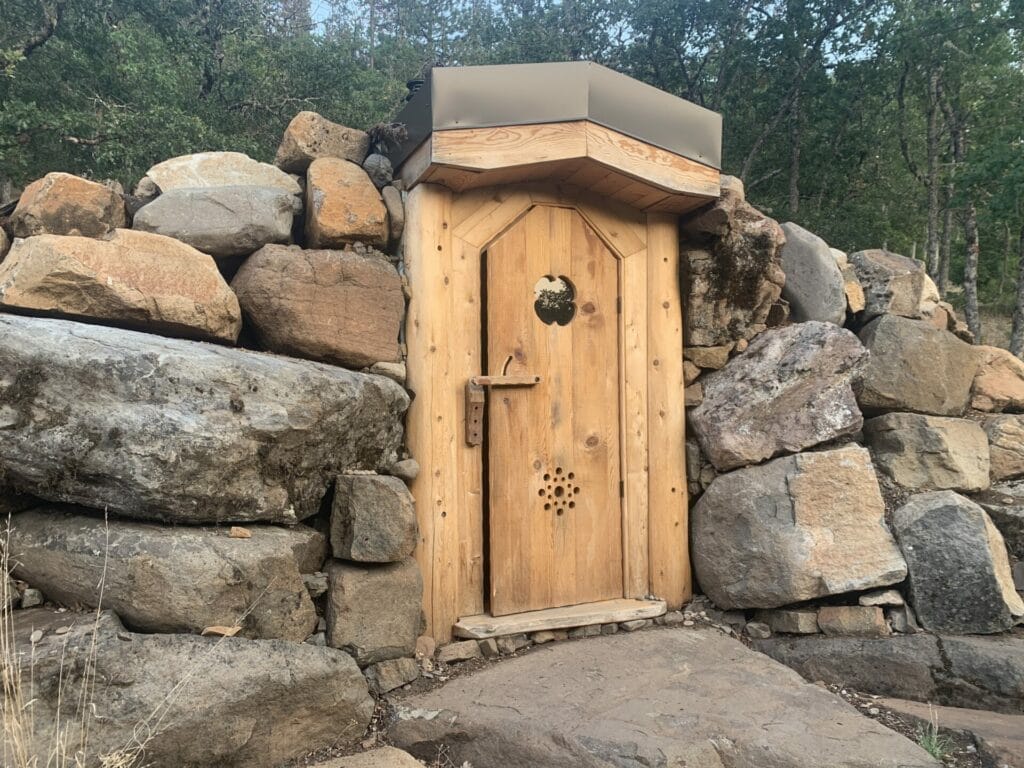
554	459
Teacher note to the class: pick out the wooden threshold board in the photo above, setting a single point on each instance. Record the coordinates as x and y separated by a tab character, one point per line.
604	612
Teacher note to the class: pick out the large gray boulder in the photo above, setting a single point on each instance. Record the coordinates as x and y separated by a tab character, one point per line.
974	672
172	579
162	429
814	288
788	391
192	701
373	519
374	611
916	367
893	284
929	452
797	528
221	221
960	579
659	699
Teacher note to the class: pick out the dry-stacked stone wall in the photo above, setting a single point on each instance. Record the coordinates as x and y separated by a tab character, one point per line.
201	417
854	460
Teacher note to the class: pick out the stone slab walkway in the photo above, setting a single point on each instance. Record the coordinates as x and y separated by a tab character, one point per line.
670	698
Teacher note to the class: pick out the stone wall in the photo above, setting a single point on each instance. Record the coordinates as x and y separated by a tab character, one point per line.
854	462
201	407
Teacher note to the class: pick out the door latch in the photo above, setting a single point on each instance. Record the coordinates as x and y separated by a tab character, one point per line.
476	399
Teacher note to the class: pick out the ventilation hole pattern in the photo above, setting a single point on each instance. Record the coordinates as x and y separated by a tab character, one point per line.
559	491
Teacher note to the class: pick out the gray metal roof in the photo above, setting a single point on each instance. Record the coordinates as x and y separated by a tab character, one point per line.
528	94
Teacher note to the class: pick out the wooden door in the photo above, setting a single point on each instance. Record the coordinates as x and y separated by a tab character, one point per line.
553	448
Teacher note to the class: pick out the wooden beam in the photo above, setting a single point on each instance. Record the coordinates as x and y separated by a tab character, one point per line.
604	612
667	524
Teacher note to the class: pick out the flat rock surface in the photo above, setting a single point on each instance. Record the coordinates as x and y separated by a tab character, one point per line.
699	698
1000	737
975	672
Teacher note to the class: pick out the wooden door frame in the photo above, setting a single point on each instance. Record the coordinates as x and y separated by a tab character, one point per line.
445	236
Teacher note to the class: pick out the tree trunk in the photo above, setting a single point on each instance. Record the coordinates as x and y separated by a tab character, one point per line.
971	271
794	157
1017	335
932	178
947	242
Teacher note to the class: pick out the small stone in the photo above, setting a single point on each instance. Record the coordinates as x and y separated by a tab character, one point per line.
711	358
673	618
592	630
693	395
406	469
884	597
609	629
36	636
687	623
62	630
30	598
1018	576
512	643
489	648
379	169
902	620
396	213
237	532
852	621
388	675
316	583
758	630
539	638
690	373
394	371
792	622
460	651
634	625
318	639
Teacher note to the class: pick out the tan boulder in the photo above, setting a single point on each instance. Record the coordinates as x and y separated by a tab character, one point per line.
343	206
711	358
999	381
339	307
62	204
929	452
396	213
219	169
855	300
1006	445
131	279
310	136
795	528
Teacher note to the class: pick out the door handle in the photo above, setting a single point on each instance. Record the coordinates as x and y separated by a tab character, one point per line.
476	399
527	380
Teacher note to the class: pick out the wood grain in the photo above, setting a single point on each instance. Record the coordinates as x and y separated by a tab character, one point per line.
667	512
604	612
555	525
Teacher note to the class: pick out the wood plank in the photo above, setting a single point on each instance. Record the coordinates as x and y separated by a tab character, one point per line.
667	524
431	423
635	429
502	210
468	465
483	149
604	612
646	162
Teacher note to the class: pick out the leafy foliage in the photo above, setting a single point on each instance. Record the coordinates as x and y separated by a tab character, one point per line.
839	114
